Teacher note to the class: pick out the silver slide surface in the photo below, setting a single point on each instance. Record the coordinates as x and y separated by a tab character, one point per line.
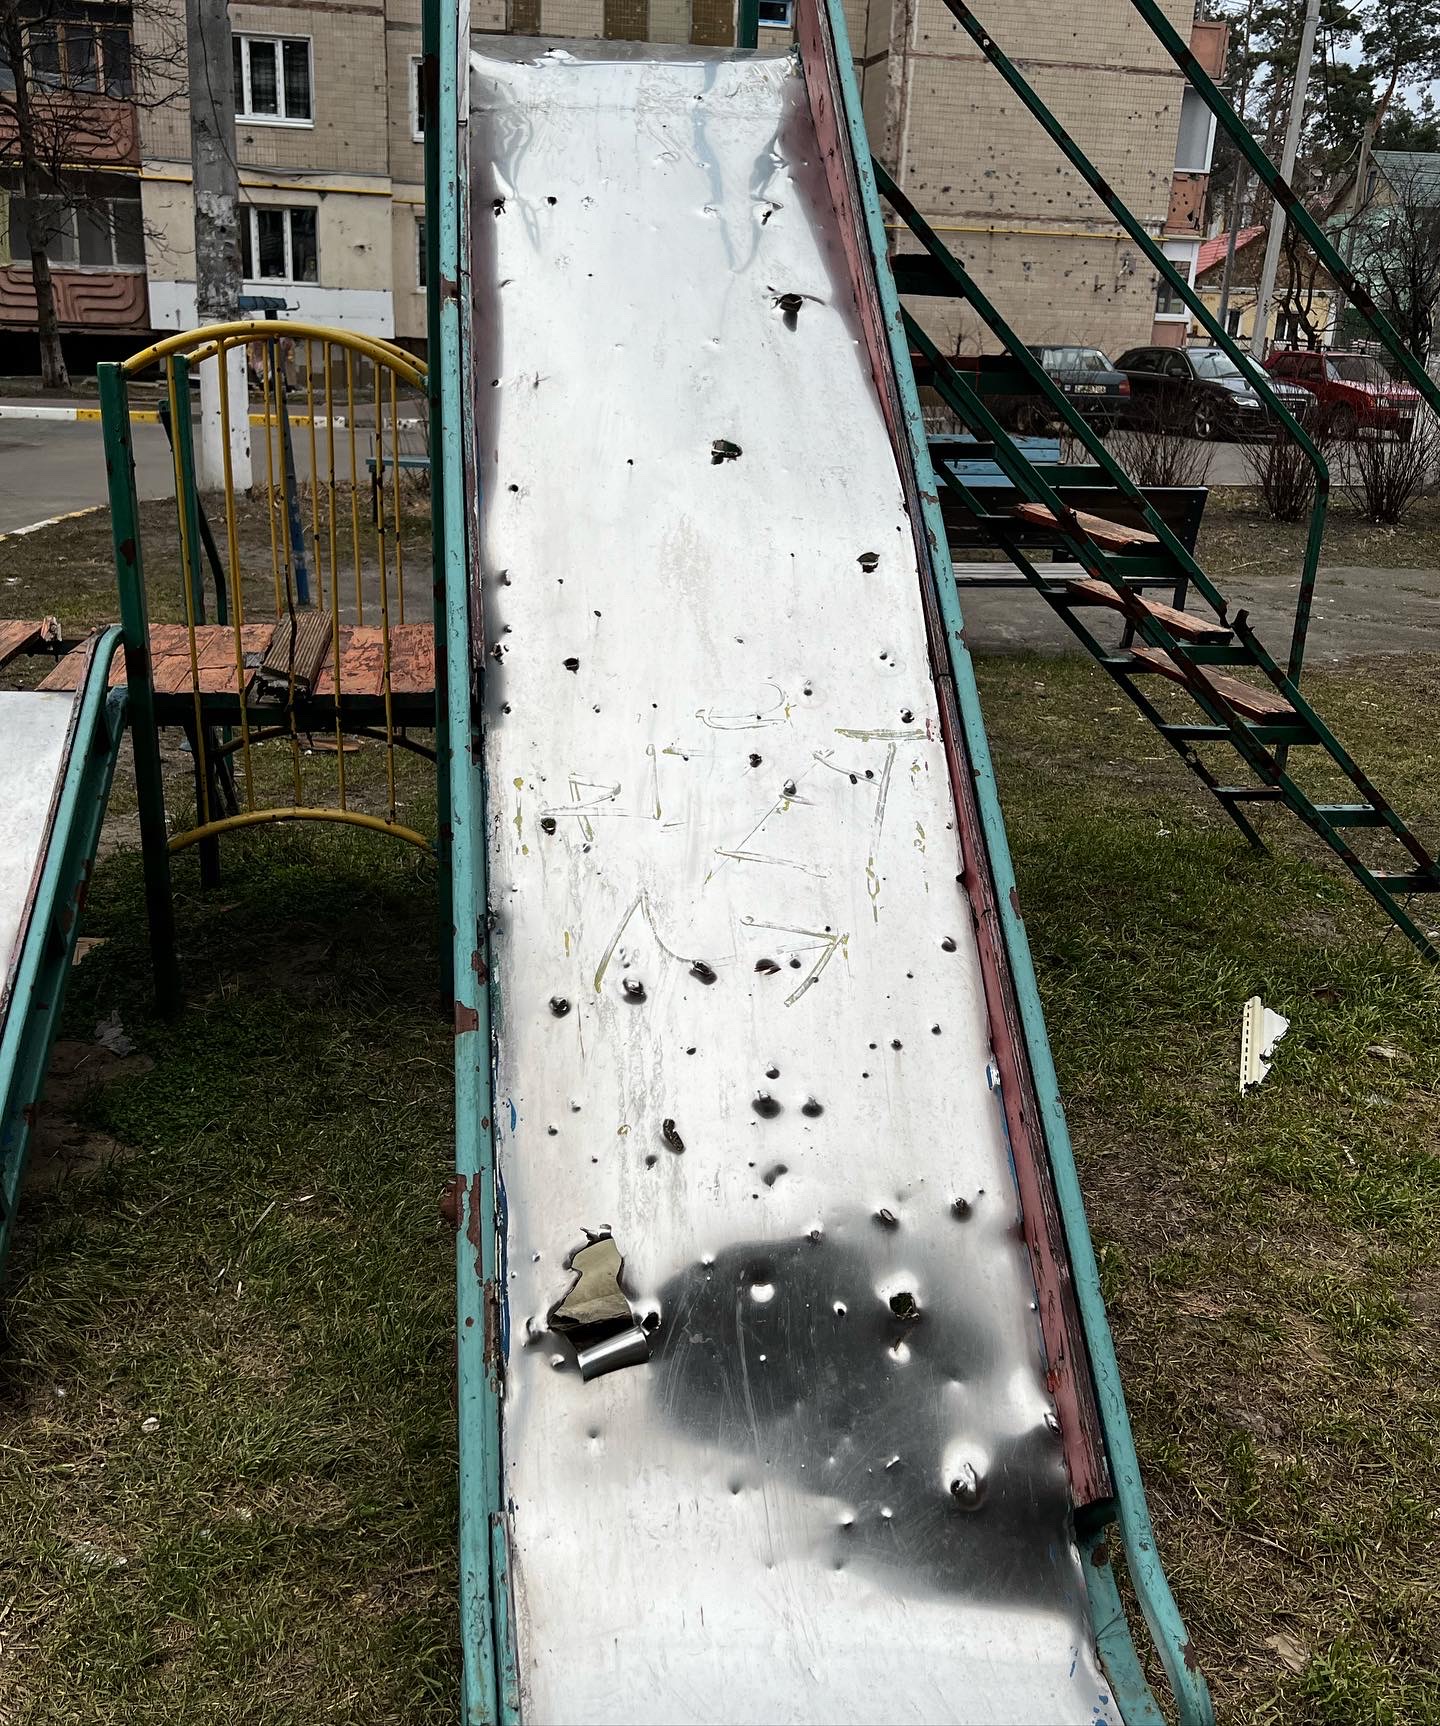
34	747
740	1023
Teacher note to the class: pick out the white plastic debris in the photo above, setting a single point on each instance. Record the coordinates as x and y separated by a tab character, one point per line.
151	1423
1260	1031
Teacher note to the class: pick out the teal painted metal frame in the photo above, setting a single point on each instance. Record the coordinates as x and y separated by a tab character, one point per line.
489	1682
48	947
1132	1513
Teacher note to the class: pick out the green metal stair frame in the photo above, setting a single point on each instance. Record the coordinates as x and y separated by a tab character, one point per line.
1263	748
48	945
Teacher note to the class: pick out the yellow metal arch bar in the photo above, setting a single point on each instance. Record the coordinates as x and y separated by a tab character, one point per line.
254	817
263	329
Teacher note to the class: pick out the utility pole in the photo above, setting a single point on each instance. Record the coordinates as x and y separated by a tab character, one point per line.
1287	171
1237	194
216	183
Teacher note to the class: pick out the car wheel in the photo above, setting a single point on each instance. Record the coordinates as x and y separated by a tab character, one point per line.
1344	422
1202	421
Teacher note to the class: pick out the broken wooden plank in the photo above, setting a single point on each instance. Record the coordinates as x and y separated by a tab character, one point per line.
1246	699
1108	535
17	637
1184	625
294	657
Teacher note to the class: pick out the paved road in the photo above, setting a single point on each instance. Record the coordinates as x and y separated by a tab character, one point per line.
48	467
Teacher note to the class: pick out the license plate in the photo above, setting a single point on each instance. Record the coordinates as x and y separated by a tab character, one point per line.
1088	389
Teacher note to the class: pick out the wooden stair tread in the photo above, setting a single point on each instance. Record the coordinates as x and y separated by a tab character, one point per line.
1085	590
17	637
1246	699
1108	535
362	660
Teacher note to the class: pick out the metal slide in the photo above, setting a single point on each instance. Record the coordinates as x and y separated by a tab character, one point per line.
57	759
804	1405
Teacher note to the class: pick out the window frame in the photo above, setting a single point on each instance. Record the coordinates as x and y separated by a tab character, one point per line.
249	215
417	108
69	229
243	40
421	254
63	30
785	23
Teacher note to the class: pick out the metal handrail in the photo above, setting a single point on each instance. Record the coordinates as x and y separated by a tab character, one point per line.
1180	285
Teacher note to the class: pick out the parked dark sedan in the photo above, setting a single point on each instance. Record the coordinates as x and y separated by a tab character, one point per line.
1095	389
1202	391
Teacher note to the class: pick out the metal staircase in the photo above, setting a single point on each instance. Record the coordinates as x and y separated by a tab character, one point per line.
1260	718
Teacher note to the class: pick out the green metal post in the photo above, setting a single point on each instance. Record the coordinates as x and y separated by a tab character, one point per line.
144	732
444	836
747	24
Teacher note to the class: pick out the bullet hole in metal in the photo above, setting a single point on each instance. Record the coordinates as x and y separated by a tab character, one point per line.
869	772
812	1108
505	707
571	664
815	1237
809	689
690	1050
865	1075
905	1307
788	787
967	1487
789	305
868	560
766	967
795	964
895	1043
961	1208
934	1030
551	1132
559	1006
671	1136
1052	1421
773	1173
736	1485
723	450
547	823
504	573
948	944
762	1293
887	1219
651	1321
765	1105
574	1108
906	715
550	200
632	989
884	655
498	206
754	759
512	488
874	1045
702	972
772	1072
651	1160
839	1308
894	1462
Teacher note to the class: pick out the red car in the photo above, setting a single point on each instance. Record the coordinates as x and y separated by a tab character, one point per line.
1355	391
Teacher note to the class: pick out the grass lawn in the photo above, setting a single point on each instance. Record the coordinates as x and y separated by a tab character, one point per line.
227	1472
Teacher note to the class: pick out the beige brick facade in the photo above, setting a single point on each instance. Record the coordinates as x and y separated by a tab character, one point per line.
980	169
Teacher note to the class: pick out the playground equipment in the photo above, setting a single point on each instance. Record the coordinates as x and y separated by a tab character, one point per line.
785	1383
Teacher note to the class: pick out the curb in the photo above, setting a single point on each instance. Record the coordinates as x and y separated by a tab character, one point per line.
54	521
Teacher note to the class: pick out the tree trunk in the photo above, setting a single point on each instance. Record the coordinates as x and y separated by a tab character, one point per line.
53	373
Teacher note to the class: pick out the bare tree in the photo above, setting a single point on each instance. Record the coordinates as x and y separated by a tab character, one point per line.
1398	251
71	82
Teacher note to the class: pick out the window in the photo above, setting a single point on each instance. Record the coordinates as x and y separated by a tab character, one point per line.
421	273
100	234
272	79
1196	139
80	48
777	14
417	98
1175	367
1181	255
278	245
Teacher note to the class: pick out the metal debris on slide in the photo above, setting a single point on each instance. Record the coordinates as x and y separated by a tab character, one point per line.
596	1315
1260	1030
